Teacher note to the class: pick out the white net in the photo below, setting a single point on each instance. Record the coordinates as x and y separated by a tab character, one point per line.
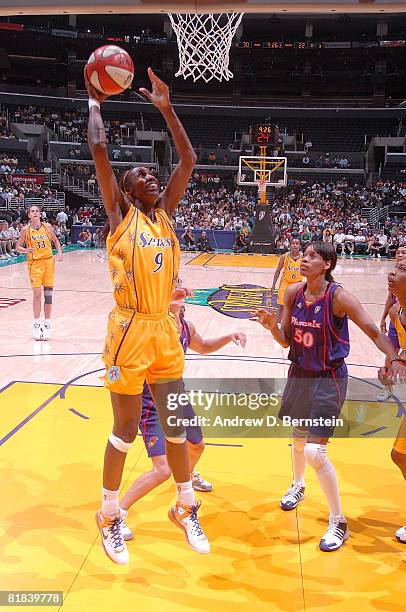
204	43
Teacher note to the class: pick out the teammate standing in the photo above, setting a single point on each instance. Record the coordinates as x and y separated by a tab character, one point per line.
151	429
289	265
397	286
142	339
315	328
38	238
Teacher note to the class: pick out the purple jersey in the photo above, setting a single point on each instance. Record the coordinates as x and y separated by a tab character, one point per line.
319	340
184	339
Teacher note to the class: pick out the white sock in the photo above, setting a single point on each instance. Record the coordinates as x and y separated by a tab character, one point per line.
38	321
298	460
48	322
185	493
328	480
110	504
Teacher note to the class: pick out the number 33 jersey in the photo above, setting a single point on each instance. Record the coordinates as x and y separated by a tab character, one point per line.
319	340
144	258
40	241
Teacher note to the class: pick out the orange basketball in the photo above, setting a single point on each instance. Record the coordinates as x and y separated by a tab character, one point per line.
110	70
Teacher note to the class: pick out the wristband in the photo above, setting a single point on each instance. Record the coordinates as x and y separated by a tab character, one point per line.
94	102
399	359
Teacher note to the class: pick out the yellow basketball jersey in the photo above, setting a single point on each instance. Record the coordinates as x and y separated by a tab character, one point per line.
144	258
291	269
39	240
401	331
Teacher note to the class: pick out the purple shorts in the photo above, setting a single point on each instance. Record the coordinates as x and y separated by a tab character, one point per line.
152	433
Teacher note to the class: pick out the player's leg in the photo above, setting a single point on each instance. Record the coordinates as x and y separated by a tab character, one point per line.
154	442
195	452
146	483
295	493
126	411
184	513
399	458
281	293
36	307
35	272
295	404
48	283
195	443
327	397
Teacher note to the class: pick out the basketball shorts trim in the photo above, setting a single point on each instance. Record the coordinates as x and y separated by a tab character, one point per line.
141	347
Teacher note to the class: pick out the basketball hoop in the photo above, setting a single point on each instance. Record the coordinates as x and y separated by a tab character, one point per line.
204	43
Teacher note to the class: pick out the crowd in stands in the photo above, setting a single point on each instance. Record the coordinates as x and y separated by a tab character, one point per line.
72	125
326	160
9	164
329	211
310	209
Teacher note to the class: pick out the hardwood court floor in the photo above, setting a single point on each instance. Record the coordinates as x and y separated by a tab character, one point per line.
53	427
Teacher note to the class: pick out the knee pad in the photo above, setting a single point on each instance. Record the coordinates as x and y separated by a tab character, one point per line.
316	455
178	439
119	444
48	295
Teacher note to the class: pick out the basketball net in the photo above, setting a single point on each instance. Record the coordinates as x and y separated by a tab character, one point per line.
204	43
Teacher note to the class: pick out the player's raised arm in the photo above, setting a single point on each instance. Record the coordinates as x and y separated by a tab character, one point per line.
159	96
115	204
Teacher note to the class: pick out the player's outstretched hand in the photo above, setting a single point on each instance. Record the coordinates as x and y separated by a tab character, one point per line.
159	96
92	91
267	318
239	338
180	293
397	371
384	378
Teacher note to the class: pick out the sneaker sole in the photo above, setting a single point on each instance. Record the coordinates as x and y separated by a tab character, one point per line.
105	551
399	540
338	547
292	507
172	517
201	490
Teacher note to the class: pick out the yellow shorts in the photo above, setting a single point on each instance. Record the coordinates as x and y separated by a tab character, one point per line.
281	292
42	272
400	442
141	347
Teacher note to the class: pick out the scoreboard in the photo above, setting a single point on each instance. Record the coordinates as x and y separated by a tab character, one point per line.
265	134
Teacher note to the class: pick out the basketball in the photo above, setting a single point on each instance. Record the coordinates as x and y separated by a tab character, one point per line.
110	70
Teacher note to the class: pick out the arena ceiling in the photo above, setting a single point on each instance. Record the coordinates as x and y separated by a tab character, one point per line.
54	7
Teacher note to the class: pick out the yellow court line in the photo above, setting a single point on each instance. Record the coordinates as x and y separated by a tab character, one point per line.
236	261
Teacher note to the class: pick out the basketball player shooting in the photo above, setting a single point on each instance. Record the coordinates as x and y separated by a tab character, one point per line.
142	340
